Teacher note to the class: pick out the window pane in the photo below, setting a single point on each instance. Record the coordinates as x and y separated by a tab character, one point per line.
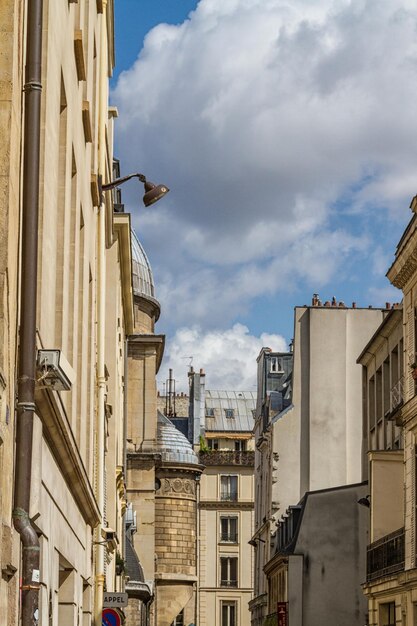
228	614
223	571
223	528
233	572
232	615
228	487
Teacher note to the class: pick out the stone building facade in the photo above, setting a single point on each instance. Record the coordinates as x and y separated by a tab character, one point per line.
162	476
220	425
391	406
84	311
316	442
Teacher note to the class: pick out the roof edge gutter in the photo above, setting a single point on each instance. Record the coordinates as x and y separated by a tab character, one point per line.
27	332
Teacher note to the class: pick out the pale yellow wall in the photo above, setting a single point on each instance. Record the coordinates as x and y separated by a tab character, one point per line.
66	307
212	548
11	19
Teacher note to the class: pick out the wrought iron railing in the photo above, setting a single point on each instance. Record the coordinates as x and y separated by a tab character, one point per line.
230	537
228	583
230	496
386	556
397	394
228	457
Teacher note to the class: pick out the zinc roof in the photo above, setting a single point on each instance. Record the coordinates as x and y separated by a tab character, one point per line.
243	404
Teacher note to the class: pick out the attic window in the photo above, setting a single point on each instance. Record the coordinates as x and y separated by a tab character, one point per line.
229	412
209	412
275	365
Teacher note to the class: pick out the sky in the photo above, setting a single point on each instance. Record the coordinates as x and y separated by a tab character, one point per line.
287	134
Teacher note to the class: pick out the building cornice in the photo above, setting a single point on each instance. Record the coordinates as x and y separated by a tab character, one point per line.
60	438
405	264
138	343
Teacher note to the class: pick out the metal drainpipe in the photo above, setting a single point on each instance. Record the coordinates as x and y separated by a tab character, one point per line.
101	316
25	406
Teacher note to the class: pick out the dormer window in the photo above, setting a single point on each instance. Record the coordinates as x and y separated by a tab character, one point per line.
275	365
209	412
229	412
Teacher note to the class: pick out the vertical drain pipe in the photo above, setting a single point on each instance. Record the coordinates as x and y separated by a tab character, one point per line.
25	406
101	316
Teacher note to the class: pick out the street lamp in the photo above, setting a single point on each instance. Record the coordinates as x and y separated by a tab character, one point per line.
153	193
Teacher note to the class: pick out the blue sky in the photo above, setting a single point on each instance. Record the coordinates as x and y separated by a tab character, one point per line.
134	18
286	135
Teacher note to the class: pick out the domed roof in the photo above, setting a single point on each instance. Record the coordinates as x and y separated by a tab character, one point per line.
171	443
143	284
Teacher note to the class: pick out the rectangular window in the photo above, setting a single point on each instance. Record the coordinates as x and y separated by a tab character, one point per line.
240	446
228	529
275	365
228	571
378	393
209	412
213	444
229	614
371	402
387	614
228	488
229	412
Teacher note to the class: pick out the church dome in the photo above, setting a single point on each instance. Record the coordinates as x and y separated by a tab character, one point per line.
171	443
143	284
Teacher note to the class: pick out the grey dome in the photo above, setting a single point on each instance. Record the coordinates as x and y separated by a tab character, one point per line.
171	443
143	284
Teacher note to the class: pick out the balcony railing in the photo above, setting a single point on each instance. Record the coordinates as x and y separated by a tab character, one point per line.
386	556
228	583
228	496
229	537
397	396
228	457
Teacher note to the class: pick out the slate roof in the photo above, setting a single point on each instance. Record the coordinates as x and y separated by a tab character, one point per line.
242	403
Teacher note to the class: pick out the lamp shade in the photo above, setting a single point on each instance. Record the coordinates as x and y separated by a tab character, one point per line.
153	193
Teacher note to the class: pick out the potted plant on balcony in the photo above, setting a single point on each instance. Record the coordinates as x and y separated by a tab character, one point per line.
413	368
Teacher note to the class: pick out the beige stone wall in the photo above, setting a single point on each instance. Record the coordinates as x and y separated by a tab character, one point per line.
141	493
175	540
211	548
11	64
65	452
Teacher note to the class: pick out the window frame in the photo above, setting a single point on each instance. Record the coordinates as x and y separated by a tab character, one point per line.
229	495
230	563
228	620
230	535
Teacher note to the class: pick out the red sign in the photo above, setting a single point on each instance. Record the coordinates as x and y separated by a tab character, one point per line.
282	612
111	617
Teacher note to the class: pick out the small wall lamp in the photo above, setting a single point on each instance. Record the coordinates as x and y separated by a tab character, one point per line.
153	193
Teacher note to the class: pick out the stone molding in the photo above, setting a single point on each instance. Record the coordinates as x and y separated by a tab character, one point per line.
61	440
177	488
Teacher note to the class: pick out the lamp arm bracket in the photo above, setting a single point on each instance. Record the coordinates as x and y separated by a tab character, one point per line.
120	181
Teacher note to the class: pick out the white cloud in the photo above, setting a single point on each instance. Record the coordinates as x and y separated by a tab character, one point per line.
227	356
260	114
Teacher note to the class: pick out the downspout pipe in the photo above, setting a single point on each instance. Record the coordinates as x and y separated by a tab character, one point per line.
100	579
25	406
